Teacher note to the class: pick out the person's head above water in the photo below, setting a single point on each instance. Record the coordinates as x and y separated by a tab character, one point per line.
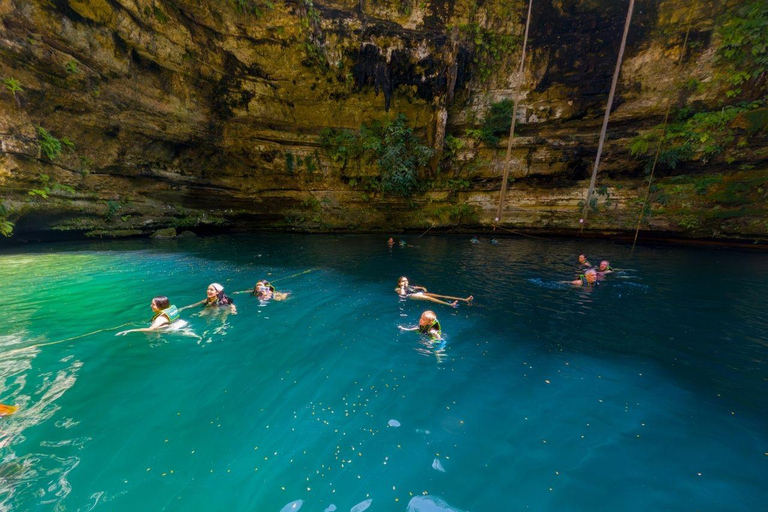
403	281
214	289
605	265
582	258
391	241
427	318
160	303
591	276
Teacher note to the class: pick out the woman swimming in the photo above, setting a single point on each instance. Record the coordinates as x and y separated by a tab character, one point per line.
265	291
215	297
165	315
405	290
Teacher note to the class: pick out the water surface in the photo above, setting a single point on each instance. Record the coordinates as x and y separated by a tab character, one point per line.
649	392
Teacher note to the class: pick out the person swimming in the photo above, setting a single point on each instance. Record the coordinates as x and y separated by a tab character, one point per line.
391	242
588	278
494	241
215	297
405	290
164	316
583	261
605	267
265	291
475	240
428	325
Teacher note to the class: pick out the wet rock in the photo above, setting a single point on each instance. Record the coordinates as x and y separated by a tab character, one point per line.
165	233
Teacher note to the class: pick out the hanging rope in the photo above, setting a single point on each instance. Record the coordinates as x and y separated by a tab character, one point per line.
503	191
663	128
616	72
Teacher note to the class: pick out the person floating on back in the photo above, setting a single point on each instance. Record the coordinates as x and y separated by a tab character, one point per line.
405	290
428	325
583	261
265	291
216	298
588	278
165	315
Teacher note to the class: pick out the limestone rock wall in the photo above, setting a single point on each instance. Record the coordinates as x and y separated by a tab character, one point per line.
203	114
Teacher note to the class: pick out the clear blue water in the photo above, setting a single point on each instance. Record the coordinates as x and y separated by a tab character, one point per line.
649	392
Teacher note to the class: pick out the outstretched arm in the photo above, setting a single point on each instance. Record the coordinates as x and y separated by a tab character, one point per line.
193	305
408	328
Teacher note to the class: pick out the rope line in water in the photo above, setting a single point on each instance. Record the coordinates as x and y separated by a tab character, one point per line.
521	76
663	129
608	108
47	344
280	279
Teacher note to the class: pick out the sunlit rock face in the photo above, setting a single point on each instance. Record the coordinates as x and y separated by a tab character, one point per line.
208	115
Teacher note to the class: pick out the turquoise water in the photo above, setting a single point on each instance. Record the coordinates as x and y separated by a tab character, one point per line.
649	392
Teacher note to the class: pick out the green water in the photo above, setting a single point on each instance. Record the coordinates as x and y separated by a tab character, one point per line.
649	392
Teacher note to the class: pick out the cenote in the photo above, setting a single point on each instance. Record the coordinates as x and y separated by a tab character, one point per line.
647	392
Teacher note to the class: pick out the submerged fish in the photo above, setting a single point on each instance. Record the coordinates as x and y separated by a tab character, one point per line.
438	466
429	504
393	423
292	506
361	506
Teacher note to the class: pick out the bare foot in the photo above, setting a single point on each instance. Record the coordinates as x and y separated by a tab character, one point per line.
455	304
470	298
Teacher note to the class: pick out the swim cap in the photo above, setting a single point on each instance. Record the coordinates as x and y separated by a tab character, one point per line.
217	287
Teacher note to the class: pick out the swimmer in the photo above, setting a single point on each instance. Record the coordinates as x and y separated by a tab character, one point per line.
588	278
494	241
428	324
215	298
420	293
165	315
583	261
391	242
475	240
403	243
265	291
605	267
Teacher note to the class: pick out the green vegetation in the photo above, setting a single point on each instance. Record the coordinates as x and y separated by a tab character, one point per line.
253	7
697	135
6	226
744	46
12	85
490	48
496	124
49	144
72	67
397	151
43	192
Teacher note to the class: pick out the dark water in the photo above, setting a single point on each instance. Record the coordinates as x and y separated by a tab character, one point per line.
649	392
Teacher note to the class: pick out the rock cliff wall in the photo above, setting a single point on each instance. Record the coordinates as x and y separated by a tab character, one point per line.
121	117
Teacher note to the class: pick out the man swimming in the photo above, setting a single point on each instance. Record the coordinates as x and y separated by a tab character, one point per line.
588	278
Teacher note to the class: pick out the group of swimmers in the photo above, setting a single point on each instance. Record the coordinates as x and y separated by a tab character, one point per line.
165	314
592	275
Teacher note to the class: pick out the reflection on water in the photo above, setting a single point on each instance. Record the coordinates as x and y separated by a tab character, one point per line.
538	398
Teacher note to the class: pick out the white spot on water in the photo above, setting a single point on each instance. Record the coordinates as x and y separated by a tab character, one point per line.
438	466
330	508
393	423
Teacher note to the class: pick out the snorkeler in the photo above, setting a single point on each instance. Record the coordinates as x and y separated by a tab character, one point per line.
588	278
165	315
265	291
420	293
583	261
428	324
215	298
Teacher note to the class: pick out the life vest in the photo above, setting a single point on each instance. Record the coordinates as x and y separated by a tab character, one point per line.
584	281
427	328
171	313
